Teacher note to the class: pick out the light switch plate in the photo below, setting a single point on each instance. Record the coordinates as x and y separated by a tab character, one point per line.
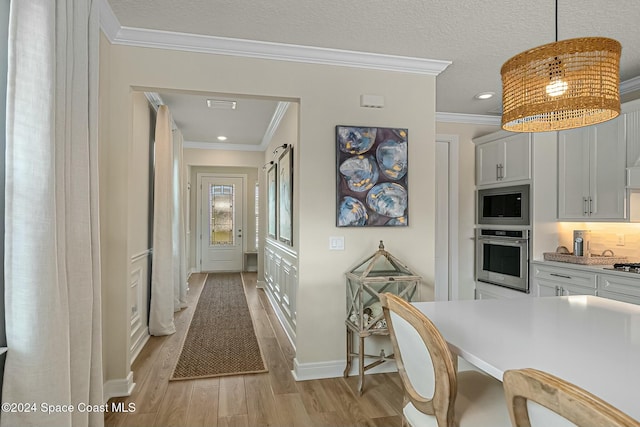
336	243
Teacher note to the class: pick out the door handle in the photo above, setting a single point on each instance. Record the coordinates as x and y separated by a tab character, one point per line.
584	206
590	206
560	275
498	172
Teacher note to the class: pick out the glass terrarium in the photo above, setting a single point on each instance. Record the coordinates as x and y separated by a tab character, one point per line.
379	273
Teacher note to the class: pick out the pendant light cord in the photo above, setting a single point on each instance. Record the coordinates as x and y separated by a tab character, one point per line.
556	20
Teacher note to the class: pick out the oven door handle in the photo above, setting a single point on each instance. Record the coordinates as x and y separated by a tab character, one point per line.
502	242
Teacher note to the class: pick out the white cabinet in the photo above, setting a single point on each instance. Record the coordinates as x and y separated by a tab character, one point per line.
503	157
626	289
552	280
632	119
591	172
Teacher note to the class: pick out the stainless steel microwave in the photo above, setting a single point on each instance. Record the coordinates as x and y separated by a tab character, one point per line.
504	205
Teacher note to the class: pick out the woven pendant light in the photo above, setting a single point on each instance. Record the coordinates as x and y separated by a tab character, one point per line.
562	85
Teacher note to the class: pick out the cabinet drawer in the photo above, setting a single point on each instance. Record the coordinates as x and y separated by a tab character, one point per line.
620	285
619	297
549	288
565	276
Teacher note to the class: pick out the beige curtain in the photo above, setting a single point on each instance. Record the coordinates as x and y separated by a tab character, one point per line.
163	268
180	247
52	257
168	271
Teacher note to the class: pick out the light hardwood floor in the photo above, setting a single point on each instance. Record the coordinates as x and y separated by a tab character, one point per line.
268	399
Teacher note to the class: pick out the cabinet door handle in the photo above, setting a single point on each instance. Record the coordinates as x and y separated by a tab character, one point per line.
498	172
557	290
501	171
584	206
590	206
560	275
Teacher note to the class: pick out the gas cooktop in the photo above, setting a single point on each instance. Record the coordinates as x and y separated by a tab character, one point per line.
627	267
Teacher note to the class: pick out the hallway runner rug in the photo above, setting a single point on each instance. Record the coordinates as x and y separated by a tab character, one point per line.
221	339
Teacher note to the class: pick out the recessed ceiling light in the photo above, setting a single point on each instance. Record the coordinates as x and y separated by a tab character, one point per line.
484	95
222	138
221	104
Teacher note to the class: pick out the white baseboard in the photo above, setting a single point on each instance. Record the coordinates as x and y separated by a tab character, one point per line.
334	369
118	388
261	284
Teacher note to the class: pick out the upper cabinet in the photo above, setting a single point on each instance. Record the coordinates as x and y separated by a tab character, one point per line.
633	144
503	157
591	172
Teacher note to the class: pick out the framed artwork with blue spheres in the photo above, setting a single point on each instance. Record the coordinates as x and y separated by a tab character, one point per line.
372	177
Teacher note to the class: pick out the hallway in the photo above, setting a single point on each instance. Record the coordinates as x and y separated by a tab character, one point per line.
269	399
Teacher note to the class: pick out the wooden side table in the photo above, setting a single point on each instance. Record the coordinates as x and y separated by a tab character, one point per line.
380	273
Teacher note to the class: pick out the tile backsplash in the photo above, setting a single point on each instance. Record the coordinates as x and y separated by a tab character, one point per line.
604	235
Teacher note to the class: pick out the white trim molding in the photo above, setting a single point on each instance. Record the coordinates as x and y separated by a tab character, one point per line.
630	85
108	21
142	37
118	388
334	369
451	263
217	146
473	119
278	114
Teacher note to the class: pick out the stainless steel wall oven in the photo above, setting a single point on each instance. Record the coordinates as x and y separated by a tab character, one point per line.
502	258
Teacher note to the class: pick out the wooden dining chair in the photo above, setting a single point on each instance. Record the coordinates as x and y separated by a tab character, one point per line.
539	399
435	394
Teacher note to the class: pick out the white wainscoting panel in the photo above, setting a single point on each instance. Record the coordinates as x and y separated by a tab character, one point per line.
281	279
139	278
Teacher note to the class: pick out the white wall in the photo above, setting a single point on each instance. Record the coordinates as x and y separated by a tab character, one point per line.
466	198
327	96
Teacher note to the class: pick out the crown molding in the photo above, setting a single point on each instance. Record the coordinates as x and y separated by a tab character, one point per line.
142	37
473	119
108	21
630	85
217	146
278	114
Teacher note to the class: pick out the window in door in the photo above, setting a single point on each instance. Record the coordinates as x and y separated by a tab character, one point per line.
221	214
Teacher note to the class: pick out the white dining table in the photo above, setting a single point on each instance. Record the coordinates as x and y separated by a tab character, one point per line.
590	341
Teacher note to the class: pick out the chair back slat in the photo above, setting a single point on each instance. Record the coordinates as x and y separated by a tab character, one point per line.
568	400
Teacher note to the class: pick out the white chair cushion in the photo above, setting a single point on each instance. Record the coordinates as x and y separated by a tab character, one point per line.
480	403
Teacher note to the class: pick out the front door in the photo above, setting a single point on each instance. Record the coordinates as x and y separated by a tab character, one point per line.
221	223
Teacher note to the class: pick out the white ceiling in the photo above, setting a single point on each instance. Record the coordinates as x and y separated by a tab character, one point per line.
477	36
201	125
